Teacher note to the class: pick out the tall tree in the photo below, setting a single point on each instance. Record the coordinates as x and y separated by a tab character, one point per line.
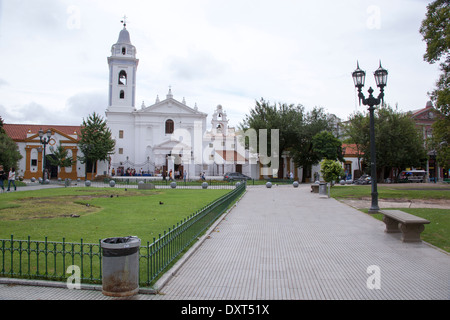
9	151
440	141
327	146
284	117
435	29
96	143
399	144
304	154
357	133
60	157
296	129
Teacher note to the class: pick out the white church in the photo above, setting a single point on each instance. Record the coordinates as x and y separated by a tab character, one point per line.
168	137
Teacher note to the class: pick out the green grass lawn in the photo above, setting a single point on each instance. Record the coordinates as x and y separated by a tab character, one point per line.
409	191
437	232
103	212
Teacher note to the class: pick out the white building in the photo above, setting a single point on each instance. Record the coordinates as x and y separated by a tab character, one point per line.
168	137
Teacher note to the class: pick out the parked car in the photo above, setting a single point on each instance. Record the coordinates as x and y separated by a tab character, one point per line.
231	176
364	179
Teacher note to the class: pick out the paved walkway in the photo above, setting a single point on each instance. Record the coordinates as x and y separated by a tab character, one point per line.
287	243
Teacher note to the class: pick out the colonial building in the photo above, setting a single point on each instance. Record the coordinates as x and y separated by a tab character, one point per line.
424	119
352	161
32	163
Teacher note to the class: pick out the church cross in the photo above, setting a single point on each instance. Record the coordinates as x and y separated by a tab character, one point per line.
124	21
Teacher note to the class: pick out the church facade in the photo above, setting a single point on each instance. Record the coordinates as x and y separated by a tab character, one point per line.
167	138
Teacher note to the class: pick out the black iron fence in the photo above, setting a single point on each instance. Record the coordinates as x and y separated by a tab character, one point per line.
57	261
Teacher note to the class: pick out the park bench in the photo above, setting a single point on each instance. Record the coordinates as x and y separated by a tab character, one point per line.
409	225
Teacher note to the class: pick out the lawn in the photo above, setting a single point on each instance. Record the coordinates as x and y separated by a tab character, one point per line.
436	233
92	214
402	191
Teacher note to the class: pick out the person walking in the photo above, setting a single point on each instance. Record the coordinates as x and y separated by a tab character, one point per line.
12	179
2	178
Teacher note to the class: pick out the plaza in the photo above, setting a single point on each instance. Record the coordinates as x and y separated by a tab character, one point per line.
287	243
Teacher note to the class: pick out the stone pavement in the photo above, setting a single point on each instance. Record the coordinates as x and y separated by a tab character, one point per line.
287	243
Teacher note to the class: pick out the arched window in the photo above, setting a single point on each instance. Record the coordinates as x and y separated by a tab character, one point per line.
124	50
122	94
169	126
122	77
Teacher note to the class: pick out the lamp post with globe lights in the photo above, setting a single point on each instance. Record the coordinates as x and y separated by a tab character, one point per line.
45	139
381	81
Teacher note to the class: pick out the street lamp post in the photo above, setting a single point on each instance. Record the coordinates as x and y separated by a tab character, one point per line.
44	140
381	80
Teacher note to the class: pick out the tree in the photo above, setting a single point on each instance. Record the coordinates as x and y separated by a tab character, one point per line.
60	158
331	170
327	146
304	154
284	117
440	141
296	129
435	29
9	151
398	143
96	143
357	133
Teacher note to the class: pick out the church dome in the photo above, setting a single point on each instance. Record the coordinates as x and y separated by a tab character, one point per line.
124	36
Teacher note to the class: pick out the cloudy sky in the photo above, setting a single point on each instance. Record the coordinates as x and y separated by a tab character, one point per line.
53	66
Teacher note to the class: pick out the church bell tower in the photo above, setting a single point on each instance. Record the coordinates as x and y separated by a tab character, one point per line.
122	74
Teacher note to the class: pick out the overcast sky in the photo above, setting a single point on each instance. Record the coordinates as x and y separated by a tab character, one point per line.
53	66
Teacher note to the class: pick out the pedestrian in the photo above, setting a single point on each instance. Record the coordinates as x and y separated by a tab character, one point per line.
12	178
3	177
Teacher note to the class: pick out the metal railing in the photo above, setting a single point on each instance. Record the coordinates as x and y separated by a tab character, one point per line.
134	182
50	260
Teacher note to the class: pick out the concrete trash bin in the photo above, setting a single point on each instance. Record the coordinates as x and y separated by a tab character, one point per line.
323	190
120	266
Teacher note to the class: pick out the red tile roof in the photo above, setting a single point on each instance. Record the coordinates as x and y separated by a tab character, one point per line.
350	150
18	132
